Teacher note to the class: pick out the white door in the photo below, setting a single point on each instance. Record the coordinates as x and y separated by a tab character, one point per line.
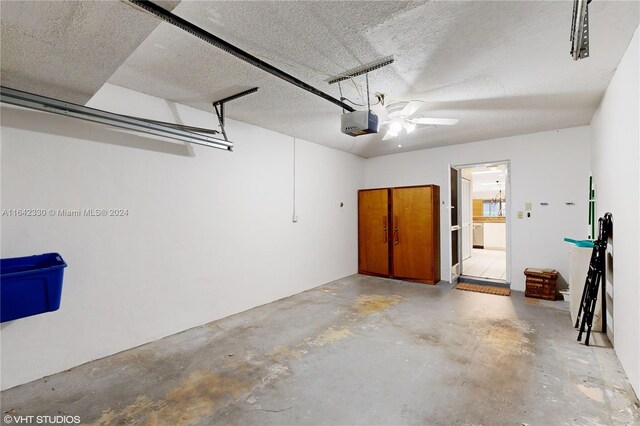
454	179
467	219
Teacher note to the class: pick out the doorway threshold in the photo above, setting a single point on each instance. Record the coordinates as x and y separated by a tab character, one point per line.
484	281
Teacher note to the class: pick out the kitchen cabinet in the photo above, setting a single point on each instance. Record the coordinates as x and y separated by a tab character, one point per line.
495	236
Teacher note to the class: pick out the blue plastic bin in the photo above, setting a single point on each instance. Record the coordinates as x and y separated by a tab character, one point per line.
30	285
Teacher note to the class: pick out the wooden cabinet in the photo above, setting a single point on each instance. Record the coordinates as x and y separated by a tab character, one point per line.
478	207
399	233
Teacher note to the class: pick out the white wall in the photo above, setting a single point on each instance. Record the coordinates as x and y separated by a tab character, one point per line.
548	167
615	162
209	233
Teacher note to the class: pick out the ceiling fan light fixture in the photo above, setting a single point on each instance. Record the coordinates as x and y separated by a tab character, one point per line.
409	127
403	117
395	127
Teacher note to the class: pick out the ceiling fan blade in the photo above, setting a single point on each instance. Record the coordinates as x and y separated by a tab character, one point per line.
388	135
411	108
435	121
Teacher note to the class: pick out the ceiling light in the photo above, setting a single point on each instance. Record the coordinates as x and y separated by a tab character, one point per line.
486	171
399	146
409	127
395	127
493	184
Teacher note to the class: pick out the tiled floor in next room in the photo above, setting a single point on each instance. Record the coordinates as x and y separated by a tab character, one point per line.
486	264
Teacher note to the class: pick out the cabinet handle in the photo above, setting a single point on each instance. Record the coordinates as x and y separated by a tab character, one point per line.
384	228
396	237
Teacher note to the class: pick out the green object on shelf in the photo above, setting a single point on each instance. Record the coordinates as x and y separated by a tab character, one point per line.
592	208
580	243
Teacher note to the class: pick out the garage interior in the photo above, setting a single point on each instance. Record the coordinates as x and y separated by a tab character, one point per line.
233	254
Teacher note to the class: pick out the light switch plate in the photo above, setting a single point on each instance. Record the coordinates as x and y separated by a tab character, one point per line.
527	207
520	215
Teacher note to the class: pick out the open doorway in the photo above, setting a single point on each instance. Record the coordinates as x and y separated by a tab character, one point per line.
480	222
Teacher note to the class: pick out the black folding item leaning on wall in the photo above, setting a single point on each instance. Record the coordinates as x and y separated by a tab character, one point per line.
595	279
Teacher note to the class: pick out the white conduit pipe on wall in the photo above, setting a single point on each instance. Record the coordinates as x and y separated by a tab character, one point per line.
294	217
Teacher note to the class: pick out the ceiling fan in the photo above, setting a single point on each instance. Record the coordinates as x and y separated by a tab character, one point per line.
401	117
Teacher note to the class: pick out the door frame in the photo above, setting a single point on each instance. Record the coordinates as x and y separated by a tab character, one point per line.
507	191
454	274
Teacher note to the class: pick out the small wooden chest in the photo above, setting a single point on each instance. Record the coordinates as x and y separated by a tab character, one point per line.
541	283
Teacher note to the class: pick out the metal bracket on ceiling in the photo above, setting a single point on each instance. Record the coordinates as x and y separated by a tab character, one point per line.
363	69
219	107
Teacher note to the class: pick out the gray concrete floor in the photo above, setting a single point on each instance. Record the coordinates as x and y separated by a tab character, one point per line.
359	350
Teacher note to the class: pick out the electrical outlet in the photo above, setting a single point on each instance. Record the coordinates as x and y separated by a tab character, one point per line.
520	215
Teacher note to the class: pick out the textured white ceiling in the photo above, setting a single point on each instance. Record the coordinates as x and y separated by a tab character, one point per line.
501	67
68	49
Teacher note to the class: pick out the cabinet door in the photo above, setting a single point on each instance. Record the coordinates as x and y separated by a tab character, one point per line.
373	231
412	236
495	236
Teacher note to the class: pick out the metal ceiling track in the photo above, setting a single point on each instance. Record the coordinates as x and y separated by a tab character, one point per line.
580	30
192	29
158	128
